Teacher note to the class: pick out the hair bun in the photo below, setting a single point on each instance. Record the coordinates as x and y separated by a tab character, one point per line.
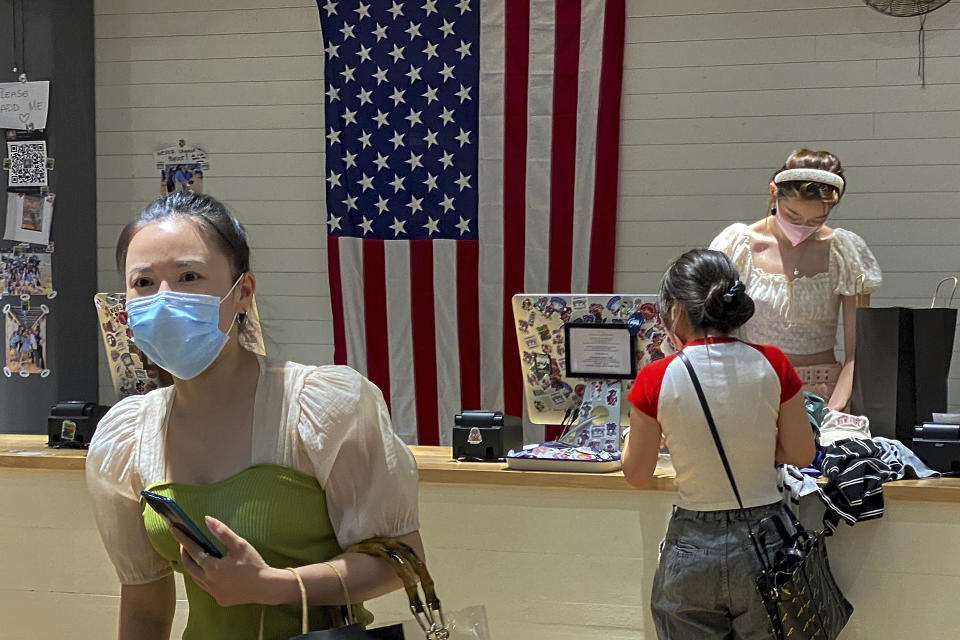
726	306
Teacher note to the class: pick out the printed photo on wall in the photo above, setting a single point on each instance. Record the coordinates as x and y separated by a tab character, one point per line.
29	217
181	168
181	177
25	341
25	273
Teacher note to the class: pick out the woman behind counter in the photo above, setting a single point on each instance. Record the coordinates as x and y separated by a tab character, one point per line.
802	274
294	462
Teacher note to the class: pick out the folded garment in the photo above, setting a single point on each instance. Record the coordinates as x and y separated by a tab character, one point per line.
838	426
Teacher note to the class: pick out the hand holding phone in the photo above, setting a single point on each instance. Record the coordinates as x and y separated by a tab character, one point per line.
171	512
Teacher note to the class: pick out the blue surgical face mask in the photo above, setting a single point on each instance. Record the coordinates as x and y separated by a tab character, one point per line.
179	332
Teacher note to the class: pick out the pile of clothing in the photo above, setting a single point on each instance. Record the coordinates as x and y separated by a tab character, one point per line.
855	464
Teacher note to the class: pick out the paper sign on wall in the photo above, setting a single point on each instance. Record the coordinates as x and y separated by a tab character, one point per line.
181	167
23	105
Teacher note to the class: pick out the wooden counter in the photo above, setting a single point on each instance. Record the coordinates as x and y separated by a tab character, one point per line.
32	452
436	467
553	556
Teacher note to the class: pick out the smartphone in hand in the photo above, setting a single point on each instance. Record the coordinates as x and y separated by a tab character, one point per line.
176	517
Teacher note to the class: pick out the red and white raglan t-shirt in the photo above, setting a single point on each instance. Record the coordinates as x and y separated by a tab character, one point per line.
744	384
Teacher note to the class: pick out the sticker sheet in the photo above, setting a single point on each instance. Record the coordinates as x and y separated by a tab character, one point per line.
550	396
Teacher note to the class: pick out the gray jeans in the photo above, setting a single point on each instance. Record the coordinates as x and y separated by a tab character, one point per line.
704	586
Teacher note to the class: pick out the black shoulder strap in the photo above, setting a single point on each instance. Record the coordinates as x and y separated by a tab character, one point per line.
764	563
711	424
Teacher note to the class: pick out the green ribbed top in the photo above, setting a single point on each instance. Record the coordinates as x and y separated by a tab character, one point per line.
283	514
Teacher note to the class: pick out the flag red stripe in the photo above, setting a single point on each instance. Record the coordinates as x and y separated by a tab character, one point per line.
336	300
423	328
468	322
607	165
375	304
516	70
566	60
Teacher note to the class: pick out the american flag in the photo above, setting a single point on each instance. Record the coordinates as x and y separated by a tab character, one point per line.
471	153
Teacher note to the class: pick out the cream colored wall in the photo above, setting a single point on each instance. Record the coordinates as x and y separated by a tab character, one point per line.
716	94
548	564
244	80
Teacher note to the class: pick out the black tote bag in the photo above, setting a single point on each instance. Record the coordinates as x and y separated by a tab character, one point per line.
902	359
802	599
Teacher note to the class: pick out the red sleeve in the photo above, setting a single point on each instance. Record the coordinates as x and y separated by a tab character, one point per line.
645	393
790	383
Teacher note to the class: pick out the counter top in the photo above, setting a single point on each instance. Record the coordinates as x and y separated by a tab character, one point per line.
435	466
32	452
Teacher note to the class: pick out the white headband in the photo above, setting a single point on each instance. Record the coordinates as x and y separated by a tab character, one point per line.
810	175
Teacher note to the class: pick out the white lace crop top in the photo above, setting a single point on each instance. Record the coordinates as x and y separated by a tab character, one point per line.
800	315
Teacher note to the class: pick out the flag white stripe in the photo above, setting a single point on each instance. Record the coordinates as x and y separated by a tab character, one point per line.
588	101
490	190
354	310
403	404
447	347
539	139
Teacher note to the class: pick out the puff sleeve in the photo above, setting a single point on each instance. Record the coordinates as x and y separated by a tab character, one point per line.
114	487
368	474
849	257
735	242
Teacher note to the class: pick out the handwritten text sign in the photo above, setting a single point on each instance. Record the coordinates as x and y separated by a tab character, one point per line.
23	105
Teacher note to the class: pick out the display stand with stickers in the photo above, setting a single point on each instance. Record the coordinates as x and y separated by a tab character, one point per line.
587	406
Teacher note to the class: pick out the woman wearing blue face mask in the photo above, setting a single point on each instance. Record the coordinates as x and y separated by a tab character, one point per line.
285	464
803	274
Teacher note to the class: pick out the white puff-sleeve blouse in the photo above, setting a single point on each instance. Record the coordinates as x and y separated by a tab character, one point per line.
800	315
329	422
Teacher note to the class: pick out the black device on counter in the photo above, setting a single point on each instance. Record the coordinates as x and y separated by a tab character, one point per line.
71	423
485	436
938	445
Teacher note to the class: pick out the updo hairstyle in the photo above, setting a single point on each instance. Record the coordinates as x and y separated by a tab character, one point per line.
707	285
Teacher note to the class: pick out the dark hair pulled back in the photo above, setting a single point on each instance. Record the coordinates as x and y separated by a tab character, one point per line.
213	219
703	281
805	190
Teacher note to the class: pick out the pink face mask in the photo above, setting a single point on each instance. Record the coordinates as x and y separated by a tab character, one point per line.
796	233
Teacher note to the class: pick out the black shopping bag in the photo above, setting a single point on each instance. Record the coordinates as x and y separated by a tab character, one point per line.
900	372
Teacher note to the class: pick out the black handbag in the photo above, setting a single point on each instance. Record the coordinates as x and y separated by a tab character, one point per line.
798	590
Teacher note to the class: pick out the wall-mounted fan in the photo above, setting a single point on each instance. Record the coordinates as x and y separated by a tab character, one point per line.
905	8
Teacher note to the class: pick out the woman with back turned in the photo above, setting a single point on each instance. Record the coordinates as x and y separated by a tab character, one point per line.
704	585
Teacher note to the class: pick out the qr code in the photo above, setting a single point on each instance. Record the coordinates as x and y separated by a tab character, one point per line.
28	164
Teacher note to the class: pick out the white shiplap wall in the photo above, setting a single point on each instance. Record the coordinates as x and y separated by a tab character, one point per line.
243	80
717	93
